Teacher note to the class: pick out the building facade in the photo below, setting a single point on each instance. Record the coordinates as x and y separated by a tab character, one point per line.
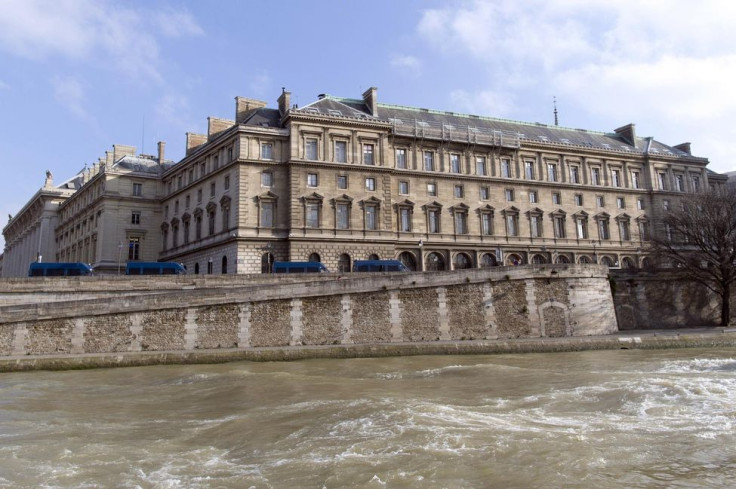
344	179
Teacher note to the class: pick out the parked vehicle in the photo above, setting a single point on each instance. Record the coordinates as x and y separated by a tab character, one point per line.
298	267
154	268
58	269
379	266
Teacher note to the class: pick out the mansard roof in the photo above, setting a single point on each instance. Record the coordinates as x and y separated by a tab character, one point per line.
141	164
407	118
263	117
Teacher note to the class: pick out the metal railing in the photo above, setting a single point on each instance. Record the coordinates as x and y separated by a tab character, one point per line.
452	132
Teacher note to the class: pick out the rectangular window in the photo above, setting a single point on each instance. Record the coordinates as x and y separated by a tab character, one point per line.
696	183
199	195
461	223
559	223
535	222
428	161
370	184
459	192
616	178
578	199
187	202
480	166
512	228
342	216
266	179
662	180
137	189
166	212
405	219
135	217
368	154
455	163
432	189
179	180
403	188
216	162
582	228
370	217
640	204
529	170
574	174
310	149
212	189
485	193
556	198
202	169
533	197
486	224
267	214
509	195
552	172
312	211
312	180
176	207
595	176
666	205
679	183
229	154
401	158
226	182
599	202
623	229
341	151
505	168
266	151
635	179
134	248
603	229
433	216
620	202
342	182
191	175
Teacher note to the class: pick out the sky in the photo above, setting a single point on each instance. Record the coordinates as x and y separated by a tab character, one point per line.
77	76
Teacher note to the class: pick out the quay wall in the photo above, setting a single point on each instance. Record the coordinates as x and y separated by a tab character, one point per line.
116	316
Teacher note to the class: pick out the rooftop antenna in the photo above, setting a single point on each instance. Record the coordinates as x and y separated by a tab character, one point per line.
554	102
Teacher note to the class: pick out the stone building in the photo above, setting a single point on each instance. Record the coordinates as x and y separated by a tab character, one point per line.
342	179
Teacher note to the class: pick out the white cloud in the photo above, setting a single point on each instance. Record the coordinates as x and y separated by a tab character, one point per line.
406	62
99	32
180	23
4	86
173	110
664	65
68	91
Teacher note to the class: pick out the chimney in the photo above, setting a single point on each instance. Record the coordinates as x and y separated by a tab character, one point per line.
161	147
683	147
628	132
216	126
244	105
108	158
120	150
194	141
284	101
371	100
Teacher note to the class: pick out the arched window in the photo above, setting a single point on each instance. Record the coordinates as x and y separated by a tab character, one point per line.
488	260
627	262
267	263
343	263
314	257
462	261
607	261
646	263
584	260
562	259
224	265
435	262
373	256
514	259
539	260
408	260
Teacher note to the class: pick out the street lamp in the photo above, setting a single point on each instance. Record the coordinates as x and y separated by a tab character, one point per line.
120	252
421	255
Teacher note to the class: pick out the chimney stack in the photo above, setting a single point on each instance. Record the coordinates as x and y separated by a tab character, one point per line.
284	101
371	100
161	147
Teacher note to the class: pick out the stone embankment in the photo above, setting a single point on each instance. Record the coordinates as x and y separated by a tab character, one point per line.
115	321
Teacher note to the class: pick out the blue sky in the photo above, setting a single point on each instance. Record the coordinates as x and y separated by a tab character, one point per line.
78	76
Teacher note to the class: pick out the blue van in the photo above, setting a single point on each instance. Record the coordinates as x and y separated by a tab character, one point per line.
379	266
154	268
59	269
298	267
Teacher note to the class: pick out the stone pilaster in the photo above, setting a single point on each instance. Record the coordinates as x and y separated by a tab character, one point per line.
535	326
297	326
346	321
397	332
190	329
444	320
136	328
489	312
244	325
78	336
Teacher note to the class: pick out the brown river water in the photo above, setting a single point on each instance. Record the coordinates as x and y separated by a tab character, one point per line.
602	419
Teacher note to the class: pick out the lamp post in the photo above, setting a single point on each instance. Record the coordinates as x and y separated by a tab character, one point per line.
595	255
120	252
421	255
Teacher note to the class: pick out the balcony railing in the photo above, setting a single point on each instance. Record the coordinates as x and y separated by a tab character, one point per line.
458	133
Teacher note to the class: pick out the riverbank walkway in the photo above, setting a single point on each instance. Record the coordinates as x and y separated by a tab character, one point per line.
707	337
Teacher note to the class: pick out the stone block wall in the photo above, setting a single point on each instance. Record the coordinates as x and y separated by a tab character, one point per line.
229	312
